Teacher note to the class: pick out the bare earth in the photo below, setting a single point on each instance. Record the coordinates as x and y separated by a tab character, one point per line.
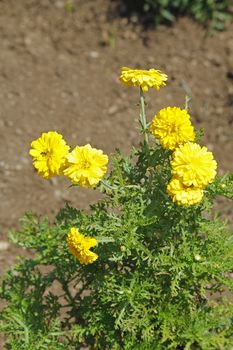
59	71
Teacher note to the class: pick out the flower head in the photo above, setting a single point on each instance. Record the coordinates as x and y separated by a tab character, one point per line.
142	78
86	165
193	165
79	246
172	126
49	153
184	195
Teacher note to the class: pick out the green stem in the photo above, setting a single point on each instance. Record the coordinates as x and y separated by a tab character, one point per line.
105	184
142	118
187	100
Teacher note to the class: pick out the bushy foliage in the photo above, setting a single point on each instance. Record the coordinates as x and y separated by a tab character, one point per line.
162	279
211	12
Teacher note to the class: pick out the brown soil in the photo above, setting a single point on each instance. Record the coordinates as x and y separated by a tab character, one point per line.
59	71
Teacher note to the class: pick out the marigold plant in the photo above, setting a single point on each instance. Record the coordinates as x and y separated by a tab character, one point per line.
172	126
49	153
194	164
86	165
143	78
149	266
80	246
184	195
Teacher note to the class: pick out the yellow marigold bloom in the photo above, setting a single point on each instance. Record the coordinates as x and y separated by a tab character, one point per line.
172	126
86	165
142	78
49	153
79	246
193	165
184	195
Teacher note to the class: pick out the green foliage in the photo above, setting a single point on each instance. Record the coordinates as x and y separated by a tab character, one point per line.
212	12
69	6
162	280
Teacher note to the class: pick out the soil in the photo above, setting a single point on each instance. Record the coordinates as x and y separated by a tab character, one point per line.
59	68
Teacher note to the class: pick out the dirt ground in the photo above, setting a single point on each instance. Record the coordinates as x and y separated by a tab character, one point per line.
59	70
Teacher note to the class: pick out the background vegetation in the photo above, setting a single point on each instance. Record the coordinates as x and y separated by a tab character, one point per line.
209	12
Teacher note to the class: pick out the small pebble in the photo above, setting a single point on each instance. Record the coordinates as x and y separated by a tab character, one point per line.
112	110
4	245
94	54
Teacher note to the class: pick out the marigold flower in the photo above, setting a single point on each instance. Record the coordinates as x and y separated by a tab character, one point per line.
142	78
49	153
184	195
86	165
193	165
172	126
79	246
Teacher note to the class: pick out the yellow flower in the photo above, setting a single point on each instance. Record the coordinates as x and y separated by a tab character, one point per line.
172	126
86	166
142	78
193	165
49	153
182	194
79	246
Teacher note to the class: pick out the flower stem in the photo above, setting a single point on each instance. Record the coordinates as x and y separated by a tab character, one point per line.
187	100
142	118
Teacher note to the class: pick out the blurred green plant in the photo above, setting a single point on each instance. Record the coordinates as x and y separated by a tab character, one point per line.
69	6
213	13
